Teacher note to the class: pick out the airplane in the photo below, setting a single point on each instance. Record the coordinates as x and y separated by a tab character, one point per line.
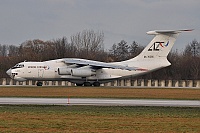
85	72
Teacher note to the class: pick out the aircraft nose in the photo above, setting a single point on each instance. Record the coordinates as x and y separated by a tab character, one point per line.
8	72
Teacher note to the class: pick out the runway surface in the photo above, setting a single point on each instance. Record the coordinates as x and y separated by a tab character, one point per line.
100	102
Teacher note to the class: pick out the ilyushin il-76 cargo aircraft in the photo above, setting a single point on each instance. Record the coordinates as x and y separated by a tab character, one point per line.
84	72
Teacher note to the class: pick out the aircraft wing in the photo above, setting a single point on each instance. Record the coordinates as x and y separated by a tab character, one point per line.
98	64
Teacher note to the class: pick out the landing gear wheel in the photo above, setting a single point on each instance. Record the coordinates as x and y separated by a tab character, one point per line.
96	83
79	84
87	84
39	84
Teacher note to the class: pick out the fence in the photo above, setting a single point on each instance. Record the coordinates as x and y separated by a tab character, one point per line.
121	82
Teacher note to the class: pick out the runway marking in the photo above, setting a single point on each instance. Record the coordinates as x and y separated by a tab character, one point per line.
100	102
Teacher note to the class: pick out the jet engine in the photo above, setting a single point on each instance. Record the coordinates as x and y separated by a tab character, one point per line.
85	71
64	71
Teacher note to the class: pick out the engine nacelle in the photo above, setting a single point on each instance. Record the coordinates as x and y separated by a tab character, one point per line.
64	71
83	72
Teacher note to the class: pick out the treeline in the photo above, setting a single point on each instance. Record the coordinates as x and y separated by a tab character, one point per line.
89	45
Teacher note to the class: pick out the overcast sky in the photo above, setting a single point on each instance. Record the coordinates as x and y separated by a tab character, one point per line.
128	20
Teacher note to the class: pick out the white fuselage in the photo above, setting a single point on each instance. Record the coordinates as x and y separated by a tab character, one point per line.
48	70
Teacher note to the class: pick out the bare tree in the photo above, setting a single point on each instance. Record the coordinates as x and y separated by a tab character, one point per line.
60	47
191	60
13	50
192	49
3	50
87	43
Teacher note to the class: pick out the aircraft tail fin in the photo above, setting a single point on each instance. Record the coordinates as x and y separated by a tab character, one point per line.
161	44
154	55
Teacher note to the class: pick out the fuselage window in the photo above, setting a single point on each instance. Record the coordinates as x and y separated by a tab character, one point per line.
37	67
41	66
31	66
18	66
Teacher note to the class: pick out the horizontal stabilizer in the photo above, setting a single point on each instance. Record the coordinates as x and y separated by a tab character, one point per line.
155	32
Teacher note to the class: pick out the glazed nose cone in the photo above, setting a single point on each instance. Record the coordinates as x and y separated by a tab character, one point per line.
8	72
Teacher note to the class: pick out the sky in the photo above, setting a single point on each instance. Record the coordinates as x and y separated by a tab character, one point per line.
128	20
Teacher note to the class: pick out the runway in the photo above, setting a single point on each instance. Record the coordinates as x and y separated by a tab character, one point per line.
100	102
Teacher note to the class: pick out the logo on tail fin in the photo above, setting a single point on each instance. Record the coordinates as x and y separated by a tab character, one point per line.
156	46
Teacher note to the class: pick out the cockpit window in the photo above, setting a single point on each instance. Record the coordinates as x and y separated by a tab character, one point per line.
18	66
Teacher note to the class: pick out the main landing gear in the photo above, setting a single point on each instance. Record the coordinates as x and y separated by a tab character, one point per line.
96	83
39	83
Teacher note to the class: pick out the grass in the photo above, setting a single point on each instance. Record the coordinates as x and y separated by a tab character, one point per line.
39	118
102	92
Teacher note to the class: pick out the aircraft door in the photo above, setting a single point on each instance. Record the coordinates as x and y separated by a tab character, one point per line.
40	73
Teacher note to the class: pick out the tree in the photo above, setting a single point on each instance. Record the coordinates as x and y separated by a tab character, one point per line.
191	59
123	51
13	50
87	43
60	47
120	51
192	49
3	50
135	49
